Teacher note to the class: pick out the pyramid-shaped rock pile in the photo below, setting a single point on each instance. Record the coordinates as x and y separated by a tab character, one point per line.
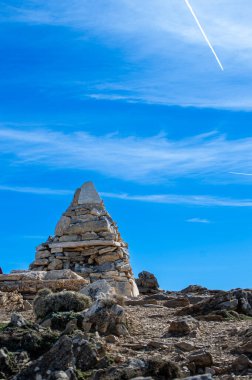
87	241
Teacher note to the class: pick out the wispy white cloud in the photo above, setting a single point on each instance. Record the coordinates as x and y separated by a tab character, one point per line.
195	200
178	199
198	220
228	29
34	190
132	158
171	64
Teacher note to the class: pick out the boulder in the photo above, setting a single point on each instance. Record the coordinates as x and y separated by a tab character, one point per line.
147	283
241	364
106	317
185	346
97	288
183	326
29	338
17	320
198	289
163	369
222	305
8	364
245	347
68	353
199	360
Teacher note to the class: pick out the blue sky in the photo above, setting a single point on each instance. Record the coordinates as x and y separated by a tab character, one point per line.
127	94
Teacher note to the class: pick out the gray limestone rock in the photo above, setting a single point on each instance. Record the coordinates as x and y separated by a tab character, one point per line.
55	265
62	225
97	288
106	317
91	226
183	326
88	194
17	320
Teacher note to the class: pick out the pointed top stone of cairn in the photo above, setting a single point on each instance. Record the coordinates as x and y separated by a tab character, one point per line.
88	194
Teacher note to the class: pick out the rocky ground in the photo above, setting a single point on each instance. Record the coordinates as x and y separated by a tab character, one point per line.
163	335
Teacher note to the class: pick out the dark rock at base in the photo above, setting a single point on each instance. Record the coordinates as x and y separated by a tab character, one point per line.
199	360
161	369
59	321
8	364
32	338
245	347
241	364
199	377
17	320
12	362
74	352
143	369
133	368
143	378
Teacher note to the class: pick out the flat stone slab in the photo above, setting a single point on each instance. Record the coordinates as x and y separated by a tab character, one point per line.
88	194
86	243
30	282
64	274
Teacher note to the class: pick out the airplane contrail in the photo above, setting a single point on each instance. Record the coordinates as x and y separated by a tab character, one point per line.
204	34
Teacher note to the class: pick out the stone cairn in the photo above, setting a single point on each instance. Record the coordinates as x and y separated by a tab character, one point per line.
87	242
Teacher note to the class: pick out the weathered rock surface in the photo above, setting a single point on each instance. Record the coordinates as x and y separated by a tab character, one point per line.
97	289
106	317
199	360
177	302
11	301
67	355
29	338
183	326
28	283
147	283
194	289
125	343
222	305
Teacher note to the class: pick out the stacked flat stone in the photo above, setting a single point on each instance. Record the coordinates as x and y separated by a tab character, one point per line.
87	241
